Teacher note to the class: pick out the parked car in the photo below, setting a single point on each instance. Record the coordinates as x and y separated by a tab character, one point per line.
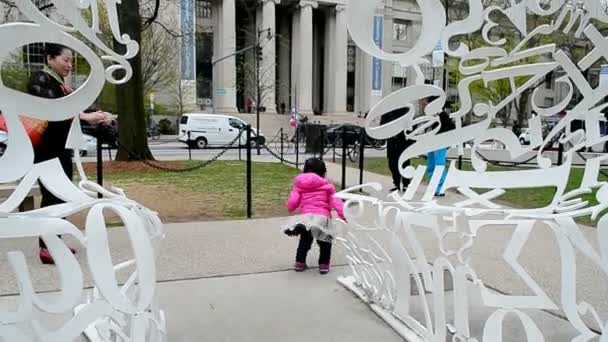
214	130
3	140
353	136
89	148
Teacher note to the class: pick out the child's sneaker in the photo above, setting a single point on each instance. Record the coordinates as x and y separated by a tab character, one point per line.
300	267
324	268
297	230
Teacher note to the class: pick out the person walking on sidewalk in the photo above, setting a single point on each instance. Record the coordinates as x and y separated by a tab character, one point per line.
51	83
313	197
438	158
394	148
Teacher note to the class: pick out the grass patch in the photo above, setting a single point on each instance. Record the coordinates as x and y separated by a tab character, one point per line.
215	192
516	198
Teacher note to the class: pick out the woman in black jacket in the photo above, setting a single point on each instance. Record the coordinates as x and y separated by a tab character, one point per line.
51	83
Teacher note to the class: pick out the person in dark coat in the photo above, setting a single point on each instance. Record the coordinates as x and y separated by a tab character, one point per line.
394	148
51	83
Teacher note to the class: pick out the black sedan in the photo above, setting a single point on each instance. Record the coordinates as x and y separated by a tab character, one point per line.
334	135
108	134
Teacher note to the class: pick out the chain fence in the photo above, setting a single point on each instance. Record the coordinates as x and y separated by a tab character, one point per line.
224	150
165	142
278	157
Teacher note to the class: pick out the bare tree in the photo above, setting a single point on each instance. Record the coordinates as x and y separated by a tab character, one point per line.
159	51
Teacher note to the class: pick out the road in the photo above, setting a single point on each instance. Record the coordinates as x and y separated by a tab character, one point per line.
173	150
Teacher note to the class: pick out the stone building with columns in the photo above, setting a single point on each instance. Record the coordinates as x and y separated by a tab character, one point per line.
308	59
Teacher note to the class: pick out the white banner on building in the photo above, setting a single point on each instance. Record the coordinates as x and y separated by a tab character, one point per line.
438	56
604	75
377	63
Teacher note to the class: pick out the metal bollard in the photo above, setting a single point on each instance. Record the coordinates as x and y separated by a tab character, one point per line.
344	147
361	155
297	147
282	154
189	145
249	211
460	159
99	159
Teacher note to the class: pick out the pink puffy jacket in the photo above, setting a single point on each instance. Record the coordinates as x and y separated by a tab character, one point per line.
313	194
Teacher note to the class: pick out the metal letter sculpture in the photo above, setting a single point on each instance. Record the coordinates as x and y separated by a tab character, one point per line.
112	312
393	270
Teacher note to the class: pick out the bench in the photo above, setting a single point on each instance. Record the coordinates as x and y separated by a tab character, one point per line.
28	204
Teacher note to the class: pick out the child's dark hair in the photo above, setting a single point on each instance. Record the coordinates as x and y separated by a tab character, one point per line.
315	165
52	50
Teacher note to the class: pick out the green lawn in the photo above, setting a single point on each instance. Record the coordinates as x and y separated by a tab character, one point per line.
216	192
518	198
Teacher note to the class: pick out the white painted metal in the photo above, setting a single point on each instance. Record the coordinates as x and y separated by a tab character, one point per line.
113	312
381	237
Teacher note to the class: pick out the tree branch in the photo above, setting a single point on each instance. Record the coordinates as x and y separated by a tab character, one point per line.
167	30
154	16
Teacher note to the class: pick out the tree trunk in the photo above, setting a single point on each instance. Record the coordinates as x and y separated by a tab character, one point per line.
130	96
524	101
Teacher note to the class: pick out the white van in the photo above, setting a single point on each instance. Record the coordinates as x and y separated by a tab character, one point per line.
214	130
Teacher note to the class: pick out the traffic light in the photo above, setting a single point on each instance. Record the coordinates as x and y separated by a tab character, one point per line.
259	53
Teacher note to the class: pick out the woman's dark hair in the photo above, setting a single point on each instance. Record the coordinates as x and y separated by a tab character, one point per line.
53	50
315	165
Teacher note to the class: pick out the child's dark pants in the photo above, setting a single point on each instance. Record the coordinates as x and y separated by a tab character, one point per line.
306	240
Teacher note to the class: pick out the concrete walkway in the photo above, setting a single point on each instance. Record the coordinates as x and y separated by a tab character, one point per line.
228	281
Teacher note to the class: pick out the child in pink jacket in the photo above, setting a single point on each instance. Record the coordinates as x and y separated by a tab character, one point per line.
313	195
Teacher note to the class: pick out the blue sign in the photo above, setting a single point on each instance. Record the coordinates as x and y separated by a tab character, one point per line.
377	63
188	40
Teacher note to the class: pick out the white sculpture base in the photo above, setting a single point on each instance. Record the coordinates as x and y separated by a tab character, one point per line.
396	324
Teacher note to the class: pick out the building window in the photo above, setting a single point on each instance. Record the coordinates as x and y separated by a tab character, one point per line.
203	9
399	83
34	56
400	30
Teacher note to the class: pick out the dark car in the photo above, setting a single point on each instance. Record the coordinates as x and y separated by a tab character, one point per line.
3	140
107	134
334	135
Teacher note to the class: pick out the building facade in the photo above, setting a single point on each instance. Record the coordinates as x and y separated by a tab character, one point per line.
309	62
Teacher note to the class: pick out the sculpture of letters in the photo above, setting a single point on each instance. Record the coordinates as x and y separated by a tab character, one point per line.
388	261
112	312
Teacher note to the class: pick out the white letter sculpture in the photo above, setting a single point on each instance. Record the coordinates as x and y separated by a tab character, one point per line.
387	240
112	312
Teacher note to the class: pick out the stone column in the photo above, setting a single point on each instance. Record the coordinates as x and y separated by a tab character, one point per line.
216	75
284	42
224	96
305	74
269	62
329	69
295	60
340	63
